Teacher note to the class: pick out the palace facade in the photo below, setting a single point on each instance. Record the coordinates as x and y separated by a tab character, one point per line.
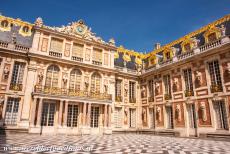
67	80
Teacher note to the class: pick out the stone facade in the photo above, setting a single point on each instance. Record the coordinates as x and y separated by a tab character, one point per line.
67	80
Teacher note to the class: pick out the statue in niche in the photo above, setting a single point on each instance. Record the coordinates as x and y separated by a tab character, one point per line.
6	72
143	92
65	79
175	84
157	88
178	113
222	30
86	83
158	114
227	73
139	68
144	115
195	42
39	22
106	89
126	90
203	111
175	51
198	78
40	77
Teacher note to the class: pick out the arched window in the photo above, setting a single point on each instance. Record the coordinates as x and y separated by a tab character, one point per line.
212	37
95	83
75	79
52	76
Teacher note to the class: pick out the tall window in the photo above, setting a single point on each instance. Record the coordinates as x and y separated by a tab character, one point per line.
75	79
132	91
77	50
52	76
151	88
72	116
95	82
97	55
167	85
118	89
188	81
48	113
94	116
56	45
11	114
214	72
106	59
17	76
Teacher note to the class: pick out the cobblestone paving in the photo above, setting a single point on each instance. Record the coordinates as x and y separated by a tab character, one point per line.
117	143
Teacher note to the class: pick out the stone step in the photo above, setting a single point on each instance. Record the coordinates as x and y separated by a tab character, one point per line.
13	130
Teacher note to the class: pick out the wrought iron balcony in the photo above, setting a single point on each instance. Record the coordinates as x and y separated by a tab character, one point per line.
188	93
118	98
216	88
16	87
71	93
167	96
132	100
151	99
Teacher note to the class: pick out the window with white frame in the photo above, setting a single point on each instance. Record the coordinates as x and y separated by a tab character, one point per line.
167	84
132	91
75	80
52	76
94	116
48	114
18	73
214	72
188	79
56	45
12	109
97	55
77	50
72	116
95	83
118	88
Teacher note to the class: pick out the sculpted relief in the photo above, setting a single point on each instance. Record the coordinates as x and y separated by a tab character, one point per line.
227	72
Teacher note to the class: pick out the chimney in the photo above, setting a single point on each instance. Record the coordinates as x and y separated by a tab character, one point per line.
157	46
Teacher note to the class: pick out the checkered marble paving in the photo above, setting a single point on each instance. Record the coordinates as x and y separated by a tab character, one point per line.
117	143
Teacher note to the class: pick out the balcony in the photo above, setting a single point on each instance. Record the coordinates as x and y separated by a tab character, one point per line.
216	88
165	62
16	87
210	45
96	62
55	54
118	98
79	59
185	55
21	48
132	100
63	92
3	44
16	47
167	96
189	93
151	99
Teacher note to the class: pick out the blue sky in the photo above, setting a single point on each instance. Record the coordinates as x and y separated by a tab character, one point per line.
135	24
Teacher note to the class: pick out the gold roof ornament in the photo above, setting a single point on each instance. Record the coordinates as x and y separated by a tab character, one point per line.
138	61
116	55
126	58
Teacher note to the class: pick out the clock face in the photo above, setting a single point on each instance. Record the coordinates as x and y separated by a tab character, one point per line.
79	29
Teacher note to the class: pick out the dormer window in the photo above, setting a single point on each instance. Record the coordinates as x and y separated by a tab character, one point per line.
25	29
187	47
167	55
4	24
212	37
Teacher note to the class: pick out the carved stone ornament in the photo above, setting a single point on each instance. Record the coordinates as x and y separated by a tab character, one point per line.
65	78
86	83
78	29
6	72
223	30
157	88
198	76
144	115
159	114
106	88
39	22
175	84
126	89
195	42
143	92
203	111
178	112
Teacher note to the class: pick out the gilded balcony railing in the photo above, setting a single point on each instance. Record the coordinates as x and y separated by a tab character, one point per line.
188	93
167	96
118	98
151	99
71	93
16	87
216	88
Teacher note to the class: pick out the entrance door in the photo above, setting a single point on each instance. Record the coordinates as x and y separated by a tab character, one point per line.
169	117
192	116
94	117
48	114
221	115
11	114
132	118
152	118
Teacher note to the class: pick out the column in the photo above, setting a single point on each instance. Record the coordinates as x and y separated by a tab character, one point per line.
105	115
28	86
60	113
88	114
66	113
109	115
84	114
39	113
33	111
